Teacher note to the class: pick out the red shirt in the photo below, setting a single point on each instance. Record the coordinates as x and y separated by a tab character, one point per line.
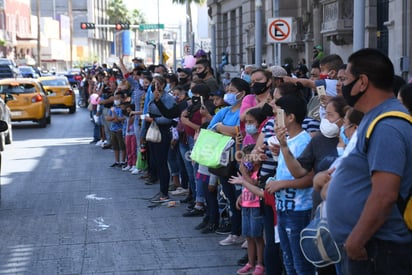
196	119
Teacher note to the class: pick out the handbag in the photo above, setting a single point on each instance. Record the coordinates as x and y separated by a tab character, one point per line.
316	241
212	149
153	133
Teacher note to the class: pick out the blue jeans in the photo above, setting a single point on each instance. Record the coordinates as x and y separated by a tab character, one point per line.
185	149
272	256
385	258
290	223
231	194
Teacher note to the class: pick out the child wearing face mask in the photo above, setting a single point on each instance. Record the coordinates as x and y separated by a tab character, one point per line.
115	118
253	120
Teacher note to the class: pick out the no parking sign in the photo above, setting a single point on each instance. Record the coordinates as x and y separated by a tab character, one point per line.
279	30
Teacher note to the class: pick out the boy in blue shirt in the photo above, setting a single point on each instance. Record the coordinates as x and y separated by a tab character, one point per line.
116	118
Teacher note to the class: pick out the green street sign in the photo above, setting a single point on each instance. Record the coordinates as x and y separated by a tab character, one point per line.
148	27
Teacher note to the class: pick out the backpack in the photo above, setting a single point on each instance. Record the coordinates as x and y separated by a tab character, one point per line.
404	204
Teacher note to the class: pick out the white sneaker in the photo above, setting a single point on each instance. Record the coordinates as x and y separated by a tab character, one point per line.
132	168
232	240
103	143
244	245
135	171
126	168
180	191
99	143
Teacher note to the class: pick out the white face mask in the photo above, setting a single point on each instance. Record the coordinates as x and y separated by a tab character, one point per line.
116	102
329	129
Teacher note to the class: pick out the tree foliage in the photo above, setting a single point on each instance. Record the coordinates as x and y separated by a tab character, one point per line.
118	12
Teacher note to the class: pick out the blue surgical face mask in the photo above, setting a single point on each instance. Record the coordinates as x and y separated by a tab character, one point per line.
230	99
189	93
251	129
343	136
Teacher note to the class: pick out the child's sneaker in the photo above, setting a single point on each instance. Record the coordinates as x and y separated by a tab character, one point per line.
126	168
247	269
231	240
135	171
259	270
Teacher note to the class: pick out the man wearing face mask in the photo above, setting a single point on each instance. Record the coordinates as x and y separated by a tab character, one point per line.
184	76
369	228
205	73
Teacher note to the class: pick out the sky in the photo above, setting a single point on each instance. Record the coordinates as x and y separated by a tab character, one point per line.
167	8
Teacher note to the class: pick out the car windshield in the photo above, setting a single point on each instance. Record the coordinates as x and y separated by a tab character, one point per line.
17	89
55	82
26	70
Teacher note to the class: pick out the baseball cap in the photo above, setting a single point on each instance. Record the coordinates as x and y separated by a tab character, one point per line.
200	53
278	71
185	70
218	93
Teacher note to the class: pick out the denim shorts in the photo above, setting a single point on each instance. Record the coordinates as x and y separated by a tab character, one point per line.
252	222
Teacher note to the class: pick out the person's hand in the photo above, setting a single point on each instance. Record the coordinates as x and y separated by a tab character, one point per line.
273	186
121	59
185	120
261	153
275	149
238	203
322	178
236	179
173	143
148	119
355	250
281	134
324	99
156	93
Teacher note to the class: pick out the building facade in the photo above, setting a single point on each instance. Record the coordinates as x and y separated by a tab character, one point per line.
329	23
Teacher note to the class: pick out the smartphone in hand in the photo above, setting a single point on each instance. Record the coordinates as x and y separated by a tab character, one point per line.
321	90
280	118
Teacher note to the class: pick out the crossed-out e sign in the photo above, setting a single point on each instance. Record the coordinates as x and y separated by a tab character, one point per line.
279	30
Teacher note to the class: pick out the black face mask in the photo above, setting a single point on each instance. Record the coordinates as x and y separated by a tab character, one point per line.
195	100
183	80
202	74
258	88
267	110
347	89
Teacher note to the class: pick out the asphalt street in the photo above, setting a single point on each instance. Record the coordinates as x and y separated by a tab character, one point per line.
64	211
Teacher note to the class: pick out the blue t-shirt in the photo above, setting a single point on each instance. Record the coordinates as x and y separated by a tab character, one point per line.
116	126
389	150
226	117
291	198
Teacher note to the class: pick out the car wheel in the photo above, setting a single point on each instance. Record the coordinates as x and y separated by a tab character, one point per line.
48	118
43	122
72	109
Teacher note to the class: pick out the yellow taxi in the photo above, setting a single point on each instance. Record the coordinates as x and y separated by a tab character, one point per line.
26	99
59	91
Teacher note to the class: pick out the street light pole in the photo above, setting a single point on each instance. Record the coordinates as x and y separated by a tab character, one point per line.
258	33
70	7
38	34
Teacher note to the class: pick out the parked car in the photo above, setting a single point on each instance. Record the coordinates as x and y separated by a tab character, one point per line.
3	128
26	99
7	71
74	76
59	92
6	136
27	71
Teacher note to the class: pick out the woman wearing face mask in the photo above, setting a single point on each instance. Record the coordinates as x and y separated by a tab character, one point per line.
158	167
226	122
261	81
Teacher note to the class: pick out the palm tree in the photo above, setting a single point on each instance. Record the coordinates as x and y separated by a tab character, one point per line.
189	13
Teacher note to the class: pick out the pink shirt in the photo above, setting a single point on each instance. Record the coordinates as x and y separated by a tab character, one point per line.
248	198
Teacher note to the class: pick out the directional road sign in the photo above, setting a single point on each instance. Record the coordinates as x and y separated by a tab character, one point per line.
148	27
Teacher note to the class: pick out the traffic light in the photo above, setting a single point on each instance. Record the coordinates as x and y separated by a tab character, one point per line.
122	26
87	26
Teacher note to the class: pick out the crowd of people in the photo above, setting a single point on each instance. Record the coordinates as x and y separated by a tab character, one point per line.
300	146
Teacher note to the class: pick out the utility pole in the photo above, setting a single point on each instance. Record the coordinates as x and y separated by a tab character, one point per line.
258	33
38	35
70	7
